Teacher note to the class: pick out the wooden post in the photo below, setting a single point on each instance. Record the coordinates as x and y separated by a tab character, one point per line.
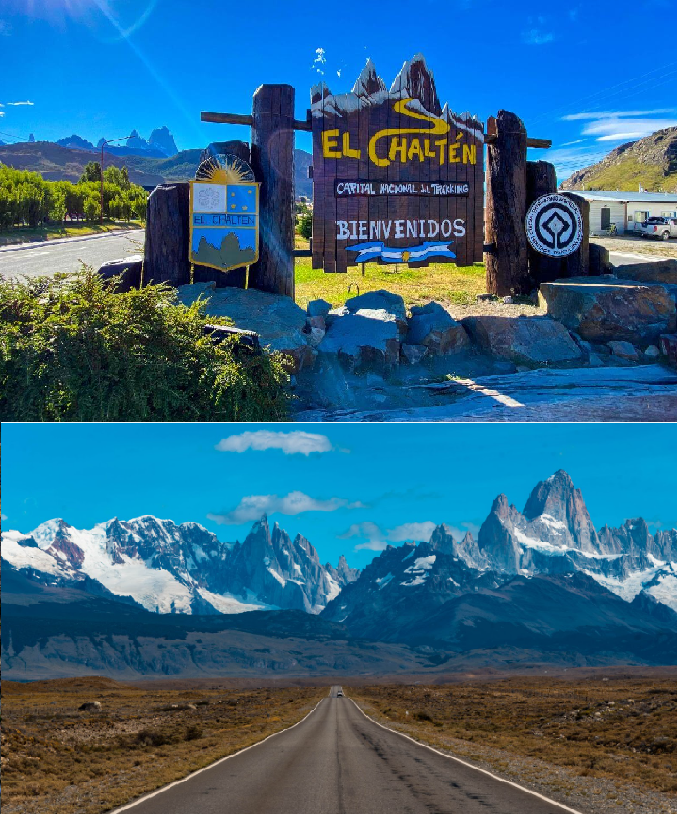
166	250
506	261
272	159
541	180
235	278
578	263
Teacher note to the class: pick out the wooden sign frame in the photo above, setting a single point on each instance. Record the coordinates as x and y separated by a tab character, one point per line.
396	177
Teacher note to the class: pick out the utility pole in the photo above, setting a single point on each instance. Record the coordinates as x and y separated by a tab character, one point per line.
103	144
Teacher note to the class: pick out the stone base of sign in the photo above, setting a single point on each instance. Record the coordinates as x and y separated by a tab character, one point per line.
604	309
128	269
278	321
634	393
527	341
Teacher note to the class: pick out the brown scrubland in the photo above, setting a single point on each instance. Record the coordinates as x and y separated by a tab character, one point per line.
620	728
58	759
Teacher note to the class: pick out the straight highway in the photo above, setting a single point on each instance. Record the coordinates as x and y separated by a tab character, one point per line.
338	761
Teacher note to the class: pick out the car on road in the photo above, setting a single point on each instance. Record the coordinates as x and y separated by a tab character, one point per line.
661	228
339	694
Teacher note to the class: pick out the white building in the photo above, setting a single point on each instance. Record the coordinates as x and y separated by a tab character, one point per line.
625	209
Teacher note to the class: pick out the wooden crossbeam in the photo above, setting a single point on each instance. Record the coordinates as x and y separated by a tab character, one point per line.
542	143
239	118
298	124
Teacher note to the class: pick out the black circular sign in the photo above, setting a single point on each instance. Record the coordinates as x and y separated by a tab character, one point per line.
554	225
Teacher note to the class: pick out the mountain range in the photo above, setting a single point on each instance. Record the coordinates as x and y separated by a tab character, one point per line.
169	568
538	584
57	161
649	163
160	144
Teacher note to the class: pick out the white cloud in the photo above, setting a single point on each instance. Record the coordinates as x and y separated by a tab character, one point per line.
320	60
377	538
289	442
3	517
252	507
569	143
537	35
616	128
615	114
19	104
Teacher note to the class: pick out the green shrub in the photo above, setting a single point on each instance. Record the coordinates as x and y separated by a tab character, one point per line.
305	228
72	349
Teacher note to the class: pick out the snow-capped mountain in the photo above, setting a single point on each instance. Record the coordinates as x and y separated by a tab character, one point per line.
554	534
552	538
170	568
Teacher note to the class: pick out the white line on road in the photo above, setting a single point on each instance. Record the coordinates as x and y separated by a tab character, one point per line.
22	247
211	765
642	258
469	765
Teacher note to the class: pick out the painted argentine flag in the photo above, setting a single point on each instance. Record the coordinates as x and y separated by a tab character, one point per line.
378	251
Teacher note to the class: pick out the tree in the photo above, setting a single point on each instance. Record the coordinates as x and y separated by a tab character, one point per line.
92	172
306	225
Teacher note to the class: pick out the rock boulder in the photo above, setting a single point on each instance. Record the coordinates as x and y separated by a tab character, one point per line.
660	271
432	326
530	341
279	322
128	269
380	301
600	309
366	339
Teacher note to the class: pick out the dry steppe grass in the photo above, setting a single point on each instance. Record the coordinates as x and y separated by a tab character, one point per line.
57	759
621	728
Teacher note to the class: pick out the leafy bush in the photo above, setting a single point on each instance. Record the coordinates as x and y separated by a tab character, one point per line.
26	198
306	225
72	349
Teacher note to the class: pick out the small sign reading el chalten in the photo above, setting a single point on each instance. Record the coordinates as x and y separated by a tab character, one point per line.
554	226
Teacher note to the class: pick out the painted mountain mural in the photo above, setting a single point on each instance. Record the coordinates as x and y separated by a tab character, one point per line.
541	584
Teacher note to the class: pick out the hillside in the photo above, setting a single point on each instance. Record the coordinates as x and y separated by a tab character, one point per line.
650	162
57	163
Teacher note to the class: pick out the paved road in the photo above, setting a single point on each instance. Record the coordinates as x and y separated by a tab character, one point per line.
55	256
631	257
339	762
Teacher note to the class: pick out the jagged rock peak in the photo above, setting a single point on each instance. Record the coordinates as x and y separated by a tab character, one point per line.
368	82
415	80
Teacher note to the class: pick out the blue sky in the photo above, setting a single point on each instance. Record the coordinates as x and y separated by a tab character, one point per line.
348	488
587	75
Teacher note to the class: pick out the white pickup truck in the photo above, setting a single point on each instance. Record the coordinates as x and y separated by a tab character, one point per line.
659	227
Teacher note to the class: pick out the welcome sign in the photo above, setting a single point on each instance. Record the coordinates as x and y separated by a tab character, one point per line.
396	177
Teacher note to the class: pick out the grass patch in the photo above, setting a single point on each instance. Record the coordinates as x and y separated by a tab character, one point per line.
57	759
73	349
442	282
625	729
25	234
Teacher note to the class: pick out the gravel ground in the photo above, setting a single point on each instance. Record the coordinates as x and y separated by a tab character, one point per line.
638	245
589	795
